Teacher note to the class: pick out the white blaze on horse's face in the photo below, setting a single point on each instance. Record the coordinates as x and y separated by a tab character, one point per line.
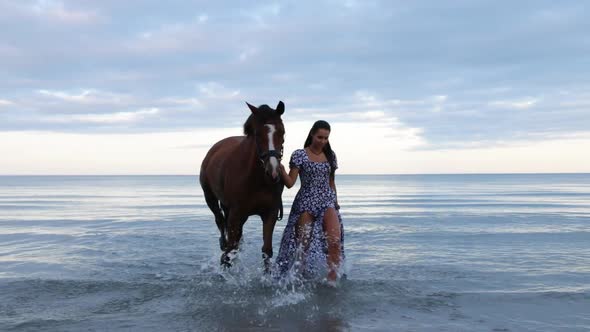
274	163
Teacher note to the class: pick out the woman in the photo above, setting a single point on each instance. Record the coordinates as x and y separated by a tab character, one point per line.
312	242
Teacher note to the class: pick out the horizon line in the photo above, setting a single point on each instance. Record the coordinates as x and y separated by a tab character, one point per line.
344	174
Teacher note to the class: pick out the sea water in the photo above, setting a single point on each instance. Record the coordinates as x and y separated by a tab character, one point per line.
424	253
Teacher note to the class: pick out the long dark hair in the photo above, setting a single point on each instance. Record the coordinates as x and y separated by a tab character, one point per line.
321	124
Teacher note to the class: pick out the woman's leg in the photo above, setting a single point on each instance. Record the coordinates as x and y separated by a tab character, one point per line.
303	229
303	234
333	237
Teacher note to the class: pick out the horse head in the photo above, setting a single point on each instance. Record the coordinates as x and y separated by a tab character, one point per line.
266	127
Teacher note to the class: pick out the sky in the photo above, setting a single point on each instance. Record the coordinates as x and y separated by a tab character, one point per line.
409	87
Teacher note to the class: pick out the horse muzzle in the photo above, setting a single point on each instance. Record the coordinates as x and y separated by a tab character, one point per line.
272	172
270	161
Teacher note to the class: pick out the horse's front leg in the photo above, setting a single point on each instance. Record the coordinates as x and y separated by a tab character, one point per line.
268	226
235	222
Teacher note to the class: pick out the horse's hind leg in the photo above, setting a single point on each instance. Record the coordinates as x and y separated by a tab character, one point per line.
214	205
235	223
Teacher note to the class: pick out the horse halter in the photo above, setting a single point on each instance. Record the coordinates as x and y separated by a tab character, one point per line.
270	153
264	155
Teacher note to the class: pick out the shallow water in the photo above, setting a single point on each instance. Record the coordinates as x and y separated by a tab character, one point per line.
424	253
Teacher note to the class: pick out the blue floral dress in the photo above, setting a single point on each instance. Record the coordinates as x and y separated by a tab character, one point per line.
314	196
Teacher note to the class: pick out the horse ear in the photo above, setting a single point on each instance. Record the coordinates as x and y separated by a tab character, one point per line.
281	108
252	108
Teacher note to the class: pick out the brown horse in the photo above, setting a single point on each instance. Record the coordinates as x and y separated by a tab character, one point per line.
240	177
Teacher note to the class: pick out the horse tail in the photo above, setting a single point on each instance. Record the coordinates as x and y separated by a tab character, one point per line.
212	201
216	207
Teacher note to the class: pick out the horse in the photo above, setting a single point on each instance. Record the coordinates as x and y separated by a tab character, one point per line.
240	178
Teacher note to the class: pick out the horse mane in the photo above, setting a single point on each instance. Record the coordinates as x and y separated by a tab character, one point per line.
264	114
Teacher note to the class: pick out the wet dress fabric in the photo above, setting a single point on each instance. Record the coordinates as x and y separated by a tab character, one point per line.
314	196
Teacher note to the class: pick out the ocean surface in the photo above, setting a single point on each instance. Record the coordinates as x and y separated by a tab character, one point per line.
424	253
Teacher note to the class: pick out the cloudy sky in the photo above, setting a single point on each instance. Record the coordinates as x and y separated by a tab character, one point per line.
145	87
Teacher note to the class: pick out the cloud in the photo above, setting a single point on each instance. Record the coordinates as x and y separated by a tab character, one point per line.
213	90
191	102
7	50
364	123
112	118
263	14
57	11
423	76
4	102
167	38
514	104
87	97
203	18
245	55
93	110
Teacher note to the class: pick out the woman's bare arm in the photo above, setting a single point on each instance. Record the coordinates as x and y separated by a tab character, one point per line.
290	178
